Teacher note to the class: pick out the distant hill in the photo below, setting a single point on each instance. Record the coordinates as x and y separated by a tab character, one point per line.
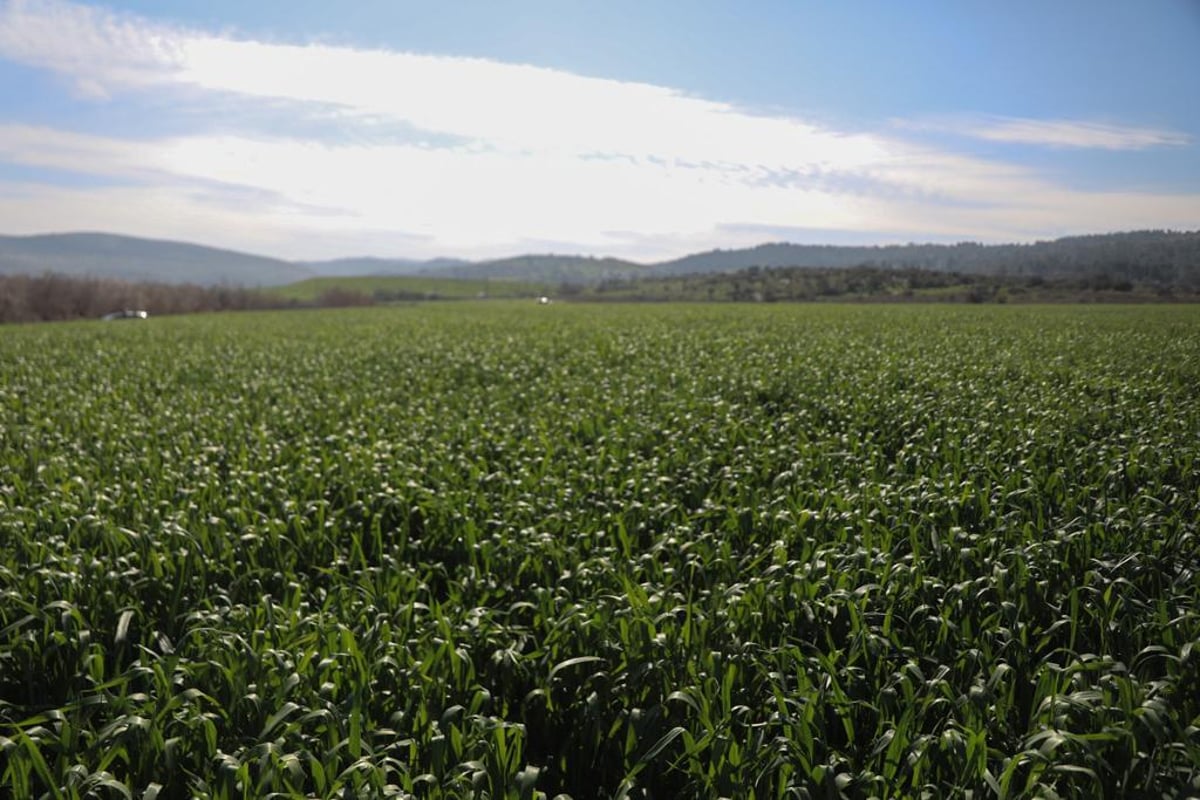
1152	258
1167	258
771	255
371	266
552	268
1164	258
128	258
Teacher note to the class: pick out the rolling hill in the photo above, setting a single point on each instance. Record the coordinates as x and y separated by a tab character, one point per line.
374	267
129	258
1157	258
1167	258
553	268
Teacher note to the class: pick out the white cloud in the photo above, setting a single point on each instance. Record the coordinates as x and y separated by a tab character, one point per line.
497	156
463	197
522	108
509	106
1080	134
95	49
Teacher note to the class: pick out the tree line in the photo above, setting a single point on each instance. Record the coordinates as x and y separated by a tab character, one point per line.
875	284
49	297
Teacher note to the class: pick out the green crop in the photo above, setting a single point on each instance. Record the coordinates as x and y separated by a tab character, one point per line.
510	551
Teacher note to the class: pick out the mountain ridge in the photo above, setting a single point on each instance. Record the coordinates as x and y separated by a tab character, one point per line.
1162	257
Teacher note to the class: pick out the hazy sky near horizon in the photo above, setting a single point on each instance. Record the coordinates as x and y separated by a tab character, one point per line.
644	130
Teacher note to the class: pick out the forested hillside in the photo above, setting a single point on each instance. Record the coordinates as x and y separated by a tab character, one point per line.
1166	258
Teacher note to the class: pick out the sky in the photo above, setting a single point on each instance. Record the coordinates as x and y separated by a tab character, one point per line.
645	130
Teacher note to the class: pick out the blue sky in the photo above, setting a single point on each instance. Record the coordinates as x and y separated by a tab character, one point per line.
645	130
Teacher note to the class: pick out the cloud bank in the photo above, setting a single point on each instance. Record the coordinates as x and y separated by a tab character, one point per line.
411	154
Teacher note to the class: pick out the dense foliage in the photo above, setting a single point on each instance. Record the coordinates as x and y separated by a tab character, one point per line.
875	284
503	550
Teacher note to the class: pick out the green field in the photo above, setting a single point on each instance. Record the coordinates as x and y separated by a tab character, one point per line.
404	287
509	551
